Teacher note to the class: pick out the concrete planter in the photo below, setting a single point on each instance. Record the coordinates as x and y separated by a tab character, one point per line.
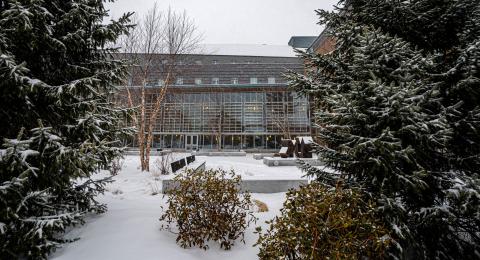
276	161
152	152
220	153
253	186
271	186
259	156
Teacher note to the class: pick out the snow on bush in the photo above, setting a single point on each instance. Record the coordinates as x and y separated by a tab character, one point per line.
59	124
397	108
207	206
321	223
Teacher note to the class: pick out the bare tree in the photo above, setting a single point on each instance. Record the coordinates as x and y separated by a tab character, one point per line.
156	46
280	120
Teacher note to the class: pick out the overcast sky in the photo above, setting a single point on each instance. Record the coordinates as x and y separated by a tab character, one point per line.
241	21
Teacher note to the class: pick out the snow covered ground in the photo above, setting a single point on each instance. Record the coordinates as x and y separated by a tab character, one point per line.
131	229
249	168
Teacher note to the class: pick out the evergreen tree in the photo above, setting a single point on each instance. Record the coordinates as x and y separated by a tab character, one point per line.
58	125
397	107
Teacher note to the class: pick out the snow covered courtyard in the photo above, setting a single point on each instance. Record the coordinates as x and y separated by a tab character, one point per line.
131	229
247	167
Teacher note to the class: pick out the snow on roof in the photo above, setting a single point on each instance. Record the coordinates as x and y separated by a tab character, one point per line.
261	50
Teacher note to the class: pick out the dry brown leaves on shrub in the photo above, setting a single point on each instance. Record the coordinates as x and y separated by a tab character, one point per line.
317	222
207	206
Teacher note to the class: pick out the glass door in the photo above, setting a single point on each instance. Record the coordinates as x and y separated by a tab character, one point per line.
191	142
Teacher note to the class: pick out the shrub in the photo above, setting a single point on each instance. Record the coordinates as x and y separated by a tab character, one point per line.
162	164
207	205
321	223
116	166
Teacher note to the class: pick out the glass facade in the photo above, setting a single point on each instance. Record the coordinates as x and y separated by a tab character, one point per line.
230	120
228	102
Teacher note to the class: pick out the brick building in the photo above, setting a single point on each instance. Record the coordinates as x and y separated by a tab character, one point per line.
323	44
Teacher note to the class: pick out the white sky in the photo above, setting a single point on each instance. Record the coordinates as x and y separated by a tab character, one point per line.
241	21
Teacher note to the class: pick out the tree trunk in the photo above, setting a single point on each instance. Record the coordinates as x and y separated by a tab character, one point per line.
151	123
141	130
137	124
219	136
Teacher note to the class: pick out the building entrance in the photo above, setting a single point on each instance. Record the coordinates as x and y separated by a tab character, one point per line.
191	142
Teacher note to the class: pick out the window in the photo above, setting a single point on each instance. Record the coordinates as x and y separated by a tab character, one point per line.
179	81
271	80
235	81
215	81
151	82
198	81
161	82
253	80
215	62
198	62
